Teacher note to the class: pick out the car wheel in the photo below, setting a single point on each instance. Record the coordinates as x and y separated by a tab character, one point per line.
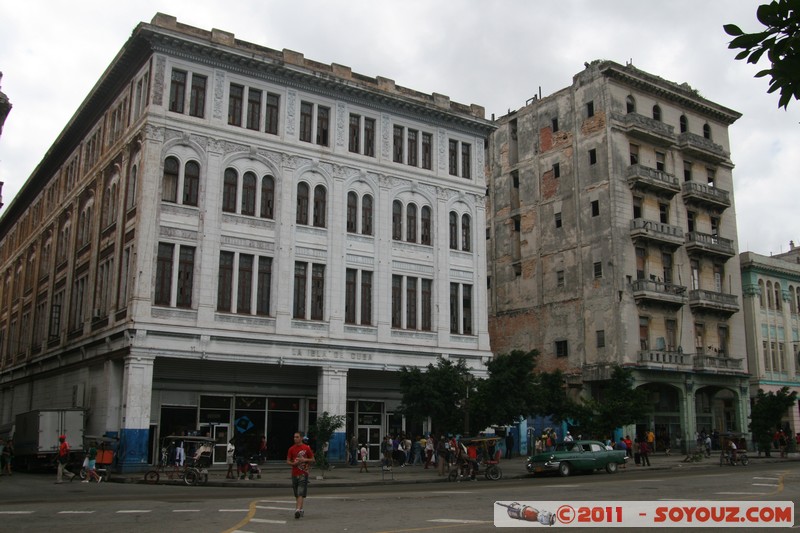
494	473
564	469
151	477
611	468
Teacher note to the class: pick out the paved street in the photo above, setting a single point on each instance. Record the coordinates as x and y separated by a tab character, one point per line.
347	501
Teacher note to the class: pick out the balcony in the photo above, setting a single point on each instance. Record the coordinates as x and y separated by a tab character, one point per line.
695	145
716	302
703	243
664	359
714	363
702	194
646	129
658	181
656	232
658	292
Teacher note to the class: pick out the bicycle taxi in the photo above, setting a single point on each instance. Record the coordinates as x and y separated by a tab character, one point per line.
727	455
487	461
184	458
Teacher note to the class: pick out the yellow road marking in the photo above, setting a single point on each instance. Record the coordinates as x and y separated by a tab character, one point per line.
246	520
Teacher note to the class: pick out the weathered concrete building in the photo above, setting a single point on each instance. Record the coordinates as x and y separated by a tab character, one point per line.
613	240
771	307
227	238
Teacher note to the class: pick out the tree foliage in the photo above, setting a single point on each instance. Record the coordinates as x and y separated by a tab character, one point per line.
439	393
510	391
780	41
765	416
616	404
323	429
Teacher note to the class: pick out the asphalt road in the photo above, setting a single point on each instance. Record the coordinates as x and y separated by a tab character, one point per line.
32	503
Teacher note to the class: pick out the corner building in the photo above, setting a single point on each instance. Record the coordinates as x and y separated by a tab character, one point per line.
230	239
613	241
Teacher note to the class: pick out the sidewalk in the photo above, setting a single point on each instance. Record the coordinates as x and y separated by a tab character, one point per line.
276	475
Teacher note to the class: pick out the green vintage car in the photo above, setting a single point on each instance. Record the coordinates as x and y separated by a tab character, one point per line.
568	457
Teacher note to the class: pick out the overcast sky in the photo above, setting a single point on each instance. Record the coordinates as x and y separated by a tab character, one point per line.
493	53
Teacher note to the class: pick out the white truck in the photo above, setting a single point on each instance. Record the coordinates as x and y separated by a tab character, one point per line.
36	434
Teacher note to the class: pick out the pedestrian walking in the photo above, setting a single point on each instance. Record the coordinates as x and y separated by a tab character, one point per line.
299	458
63	459
362	454
644	451
509	444
229	451
91	465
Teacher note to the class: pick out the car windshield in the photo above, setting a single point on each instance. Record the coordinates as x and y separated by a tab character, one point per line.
568	447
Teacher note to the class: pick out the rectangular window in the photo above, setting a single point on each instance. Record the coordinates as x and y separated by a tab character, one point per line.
397	146
466	159
271	122
641	258
245	288
596	208
317	292
366	298
185	276
453	157
559	278
299	310
264	287
235	99
369	137
177	90
225	282
637	207
350	296
592	156
562	349
589	109
427	304
558	220
687	171
663	213
598	269
556	173
554	124
354	136
197	98
454	308
411	303
412	147
600	334
397	301
306	118
660	161
323	125
253	109
671	327
427	150
163	289
466	309
634	151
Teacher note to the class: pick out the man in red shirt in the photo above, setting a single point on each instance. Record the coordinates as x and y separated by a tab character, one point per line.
299	457
63	458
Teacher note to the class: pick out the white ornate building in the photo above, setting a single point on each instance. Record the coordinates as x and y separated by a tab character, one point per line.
227	238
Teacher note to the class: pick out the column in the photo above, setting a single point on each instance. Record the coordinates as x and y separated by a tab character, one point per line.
137	392
332	397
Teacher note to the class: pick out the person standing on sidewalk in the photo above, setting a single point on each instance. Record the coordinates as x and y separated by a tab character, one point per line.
644	451
299	458
63	459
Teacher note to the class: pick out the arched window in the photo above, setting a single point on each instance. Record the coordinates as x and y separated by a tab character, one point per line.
267	197
466	233
657	113
684	124
397	220
229	186
191	183
320	205
769	295
352	212
411	223
761	293
249	194
453	230
85	224
302	203
778	296
707	131
131	200
169	184
426	226
630	104
366	215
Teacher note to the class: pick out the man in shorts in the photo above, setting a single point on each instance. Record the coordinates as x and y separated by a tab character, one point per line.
299	458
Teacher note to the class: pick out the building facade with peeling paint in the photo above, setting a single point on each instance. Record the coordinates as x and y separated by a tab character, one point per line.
227	239
612	240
